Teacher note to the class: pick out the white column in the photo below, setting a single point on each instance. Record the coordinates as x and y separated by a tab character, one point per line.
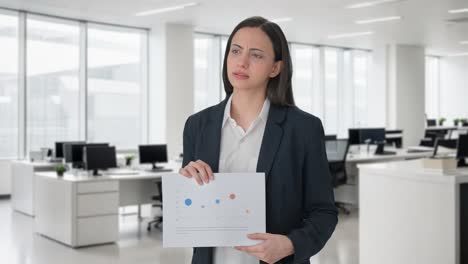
171	84
406	93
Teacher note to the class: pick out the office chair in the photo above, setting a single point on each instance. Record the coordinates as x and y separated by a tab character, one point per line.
337	150
157	221
330	137
430	137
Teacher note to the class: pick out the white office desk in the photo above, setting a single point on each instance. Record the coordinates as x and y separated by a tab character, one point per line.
409	214
349	193
401	154
22	173
83	210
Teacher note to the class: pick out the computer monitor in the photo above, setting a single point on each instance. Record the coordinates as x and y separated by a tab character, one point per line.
462	150
99	158
372	135
59	153
153	154
354	136
447	143
73	152
431	122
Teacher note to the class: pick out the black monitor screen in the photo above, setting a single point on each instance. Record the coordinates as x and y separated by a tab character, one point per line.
431	122
59	147
462	148
353	136
372	135
447	143
99	157
152	153
73	152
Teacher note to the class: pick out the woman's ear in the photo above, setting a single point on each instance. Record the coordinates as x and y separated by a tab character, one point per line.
276	69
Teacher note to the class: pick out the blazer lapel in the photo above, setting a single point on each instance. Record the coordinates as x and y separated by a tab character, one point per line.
271	139
210	142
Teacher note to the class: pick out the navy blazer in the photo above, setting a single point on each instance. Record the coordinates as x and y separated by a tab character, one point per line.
299	195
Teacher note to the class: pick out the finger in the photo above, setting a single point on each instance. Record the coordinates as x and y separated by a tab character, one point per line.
252	249
194	174
185	173
259	236
201	170
208	169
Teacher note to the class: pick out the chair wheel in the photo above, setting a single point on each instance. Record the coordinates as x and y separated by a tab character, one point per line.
148	228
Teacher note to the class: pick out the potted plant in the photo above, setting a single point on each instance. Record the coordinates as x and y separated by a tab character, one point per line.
441	121
464	121
128	160
456	121
60	169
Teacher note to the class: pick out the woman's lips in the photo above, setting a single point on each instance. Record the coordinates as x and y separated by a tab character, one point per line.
240	76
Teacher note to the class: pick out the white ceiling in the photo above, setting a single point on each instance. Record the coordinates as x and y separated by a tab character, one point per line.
424	21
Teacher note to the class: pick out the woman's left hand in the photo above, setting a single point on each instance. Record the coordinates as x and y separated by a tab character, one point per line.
272	249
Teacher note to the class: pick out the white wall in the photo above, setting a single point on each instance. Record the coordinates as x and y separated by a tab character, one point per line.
377	88
454	88
171	84
179	83
406	93
5	177
157	85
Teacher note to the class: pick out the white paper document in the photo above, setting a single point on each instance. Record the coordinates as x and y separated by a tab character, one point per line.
218	214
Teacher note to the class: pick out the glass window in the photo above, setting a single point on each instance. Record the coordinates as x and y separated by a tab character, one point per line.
8	85
115	98
224	49
52	81
207	71
305	80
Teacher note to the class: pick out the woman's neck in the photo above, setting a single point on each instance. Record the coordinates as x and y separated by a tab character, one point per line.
246	106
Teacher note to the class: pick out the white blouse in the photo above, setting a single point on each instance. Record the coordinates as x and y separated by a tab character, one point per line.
239	153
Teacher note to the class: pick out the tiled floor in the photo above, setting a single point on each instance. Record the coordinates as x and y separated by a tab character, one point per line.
20	245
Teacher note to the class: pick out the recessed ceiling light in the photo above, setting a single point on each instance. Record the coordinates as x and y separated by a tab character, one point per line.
349	35
165	9
372	3
282	19
376	20
458	54
456	11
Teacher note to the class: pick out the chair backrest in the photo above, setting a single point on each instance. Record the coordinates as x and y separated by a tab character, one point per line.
337	150
330	137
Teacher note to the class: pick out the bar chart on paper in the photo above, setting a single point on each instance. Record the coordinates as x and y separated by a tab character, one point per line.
218	214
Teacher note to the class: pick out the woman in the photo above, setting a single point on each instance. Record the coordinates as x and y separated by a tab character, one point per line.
257	128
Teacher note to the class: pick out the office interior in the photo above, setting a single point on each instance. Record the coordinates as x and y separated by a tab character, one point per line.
102	89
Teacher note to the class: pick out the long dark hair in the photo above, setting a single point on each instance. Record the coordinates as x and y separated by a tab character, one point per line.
279	88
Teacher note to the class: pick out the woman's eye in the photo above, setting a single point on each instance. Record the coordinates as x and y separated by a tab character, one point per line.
257	56
235	51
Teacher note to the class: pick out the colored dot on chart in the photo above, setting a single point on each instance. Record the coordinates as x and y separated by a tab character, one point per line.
218	201
202	206
232	196
247	211
188	202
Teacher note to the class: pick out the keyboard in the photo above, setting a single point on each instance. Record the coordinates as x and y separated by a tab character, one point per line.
159	170
386	153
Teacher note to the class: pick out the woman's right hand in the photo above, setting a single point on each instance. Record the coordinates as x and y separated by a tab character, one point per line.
198	170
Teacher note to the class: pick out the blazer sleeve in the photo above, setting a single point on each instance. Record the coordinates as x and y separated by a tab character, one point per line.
188	142
320	214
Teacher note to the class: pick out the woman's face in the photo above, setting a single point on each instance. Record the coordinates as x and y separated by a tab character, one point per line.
251	59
